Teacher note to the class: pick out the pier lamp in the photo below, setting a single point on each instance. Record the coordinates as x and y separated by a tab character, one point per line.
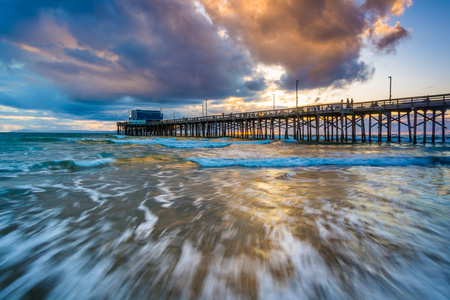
206	108
273	101
203	107
390	87
296	93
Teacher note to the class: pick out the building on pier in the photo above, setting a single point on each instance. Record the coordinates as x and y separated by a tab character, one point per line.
380	120
140	116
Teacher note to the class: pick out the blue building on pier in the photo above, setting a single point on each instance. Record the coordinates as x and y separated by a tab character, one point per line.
140	116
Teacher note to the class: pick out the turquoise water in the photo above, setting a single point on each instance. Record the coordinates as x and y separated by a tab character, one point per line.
113	217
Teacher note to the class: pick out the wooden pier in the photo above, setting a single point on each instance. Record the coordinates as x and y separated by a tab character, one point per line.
388	120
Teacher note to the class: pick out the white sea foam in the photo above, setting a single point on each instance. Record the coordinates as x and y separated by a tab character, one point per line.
186	268
167	196
315	161
145	228
308	264
31	187
93	163
93	193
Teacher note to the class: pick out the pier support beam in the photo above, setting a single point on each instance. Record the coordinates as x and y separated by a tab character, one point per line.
415	127
443	126
424	126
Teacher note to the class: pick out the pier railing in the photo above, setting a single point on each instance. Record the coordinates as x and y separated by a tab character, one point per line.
337	107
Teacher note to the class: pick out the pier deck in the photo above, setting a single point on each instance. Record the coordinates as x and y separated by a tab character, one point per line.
377	120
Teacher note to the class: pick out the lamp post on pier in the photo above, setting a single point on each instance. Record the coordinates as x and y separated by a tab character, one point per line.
203	107
390	87
296	94
206	108
273	101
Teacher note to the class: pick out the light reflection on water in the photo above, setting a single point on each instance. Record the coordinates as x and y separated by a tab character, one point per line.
155	226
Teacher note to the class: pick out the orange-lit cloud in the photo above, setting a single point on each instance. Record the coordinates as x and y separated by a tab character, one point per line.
382	35
387	7
386	37
310	39
317	42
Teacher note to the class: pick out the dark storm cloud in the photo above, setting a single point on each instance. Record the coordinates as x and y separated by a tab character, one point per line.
259	84
85	54
151	50
338	76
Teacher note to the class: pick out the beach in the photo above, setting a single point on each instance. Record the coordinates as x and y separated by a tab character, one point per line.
88	216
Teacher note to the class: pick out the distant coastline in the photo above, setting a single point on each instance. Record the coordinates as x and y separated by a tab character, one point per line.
62	131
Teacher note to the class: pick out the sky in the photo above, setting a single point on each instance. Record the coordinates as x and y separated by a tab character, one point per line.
76	65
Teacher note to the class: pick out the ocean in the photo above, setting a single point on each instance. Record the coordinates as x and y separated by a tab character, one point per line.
95	216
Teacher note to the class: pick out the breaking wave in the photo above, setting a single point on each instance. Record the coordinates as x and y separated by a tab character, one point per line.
318	161
72	164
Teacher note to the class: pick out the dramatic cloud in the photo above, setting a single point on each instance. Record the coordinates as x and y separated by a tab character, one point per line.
156	50
88	57
317	42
